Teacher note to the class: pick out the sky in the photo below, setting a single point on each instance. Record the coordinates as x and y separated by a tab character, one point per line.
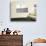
31	30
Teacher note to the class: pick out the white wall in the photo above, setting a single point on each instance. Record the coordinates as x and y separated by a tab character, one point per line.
30	30
39	44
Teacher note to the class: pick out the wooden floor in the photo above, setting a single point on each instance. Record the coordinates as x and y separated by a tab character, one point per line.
11	40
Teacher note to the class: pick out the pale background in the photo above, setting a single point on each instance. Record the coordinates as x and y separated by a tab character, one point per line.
30	30
39	44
